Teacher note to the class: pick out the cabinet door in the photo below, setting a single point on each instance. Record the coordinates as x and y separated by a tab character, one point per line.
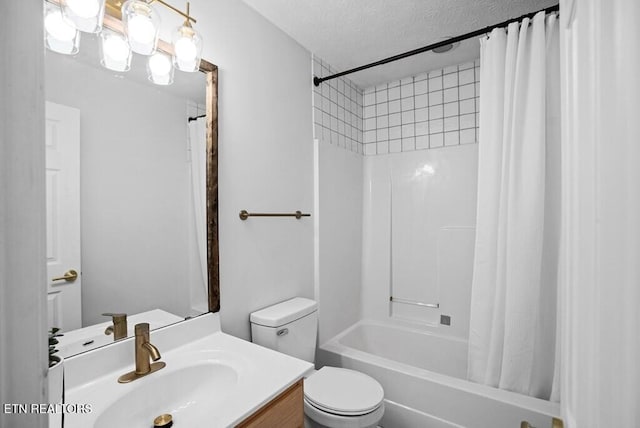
284	411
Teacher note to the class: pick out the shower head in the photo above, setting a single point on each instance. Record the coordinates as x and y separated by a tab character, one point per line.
445	48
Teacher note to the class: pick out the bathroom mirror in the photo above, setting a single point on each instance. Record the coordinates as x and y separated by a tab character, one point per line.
142	196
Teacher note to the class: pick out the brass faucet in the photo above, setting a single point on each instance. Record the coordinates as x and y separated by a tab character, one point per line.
119	327
144	351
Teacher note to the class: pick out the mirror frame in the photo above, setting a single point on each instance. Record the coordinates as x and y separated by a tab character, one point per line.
113	20
213	247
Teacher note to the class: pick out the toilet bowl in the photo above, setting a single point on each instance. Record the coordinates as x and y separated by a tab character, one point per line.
333	397
342	398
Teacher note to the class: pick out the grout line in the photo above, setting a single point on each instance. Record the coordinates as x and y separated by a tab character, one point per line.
459	114
373	93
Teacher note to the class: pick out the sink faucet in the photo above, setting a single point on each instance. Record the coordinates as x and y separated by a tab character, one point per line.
119	327
144	352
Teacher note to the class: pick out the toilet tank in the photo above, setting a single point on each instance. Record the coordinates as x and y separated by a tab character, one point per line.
289	327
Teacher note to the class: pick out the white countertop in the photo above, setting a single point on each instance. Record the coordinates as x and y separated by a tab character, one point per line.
87	338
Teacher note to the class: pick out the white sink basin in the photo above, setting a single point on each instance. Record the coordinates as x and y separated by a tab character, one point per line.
185	393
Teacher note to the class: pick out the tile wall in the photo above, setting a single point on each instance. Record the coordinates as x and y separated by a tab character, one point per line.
337	112
430	110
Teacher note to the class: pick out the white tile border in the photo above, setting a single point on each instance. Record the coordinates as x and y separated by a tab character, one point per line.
434	109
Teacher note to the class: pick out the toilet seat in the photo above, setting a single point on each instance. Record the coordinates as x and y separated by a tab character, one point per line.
343	392
315	418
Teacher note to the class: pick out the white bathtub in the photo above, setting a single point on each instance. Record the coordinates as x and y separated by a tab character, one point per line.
423	376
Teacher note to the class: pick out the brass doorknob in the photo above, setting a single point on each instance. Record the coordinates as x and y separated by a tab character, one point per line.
69	276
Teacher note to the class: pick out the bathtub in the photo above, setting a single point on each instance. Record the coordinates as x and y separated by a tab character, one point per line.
424	379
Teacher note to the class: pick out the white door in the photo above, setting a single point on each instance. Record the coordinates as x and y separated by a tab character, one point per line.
63	216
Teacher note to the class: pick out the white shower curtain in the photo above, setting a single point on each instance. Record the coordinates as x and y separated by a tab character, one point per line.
513	303
198	147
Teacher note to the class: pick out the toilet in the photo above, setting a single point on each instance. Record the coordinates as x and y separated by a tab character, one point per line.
333	397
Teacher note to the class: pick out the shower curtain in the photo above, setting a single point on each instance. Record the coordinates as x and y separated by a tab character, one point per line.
513	302
198	150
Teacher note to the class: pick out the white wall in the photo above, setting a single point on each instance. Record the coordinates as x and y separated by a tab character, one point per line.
338	237
418	236
265	159
23	349
135	190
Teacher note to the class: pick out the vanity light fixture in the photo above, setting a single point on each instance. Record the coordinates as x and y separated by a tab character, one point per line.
61	34
87	15
131	27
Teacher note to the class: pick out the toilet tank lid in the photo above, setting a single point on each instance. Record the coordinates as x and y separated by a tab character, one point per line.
284	312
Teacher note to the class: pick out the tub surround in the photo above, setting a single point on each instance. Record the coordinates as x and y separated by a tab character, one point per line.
245	377
338	244
419	210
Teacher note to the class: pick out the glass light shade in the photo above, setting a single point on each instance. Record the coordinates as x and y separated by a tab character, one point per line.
142	24
115	52
160	69
187	47
61	35
87	15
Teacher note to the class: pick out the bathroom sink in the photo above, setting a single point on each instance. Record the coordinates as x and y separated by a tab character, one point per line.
185	393
211	379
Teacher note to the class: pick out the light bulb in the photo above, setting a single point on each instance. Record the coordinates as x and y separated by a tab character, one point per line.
160	69
59	27
116	48
141	29
84	8
115	51
185	49
141	23
159	64
187	45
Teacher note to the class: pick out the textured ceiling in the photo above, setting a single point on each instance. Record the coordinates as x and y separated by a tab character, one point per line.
349	33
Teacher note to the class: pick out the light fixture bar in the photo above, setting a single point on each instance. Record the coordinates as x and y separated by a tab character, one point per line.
114	8
176	10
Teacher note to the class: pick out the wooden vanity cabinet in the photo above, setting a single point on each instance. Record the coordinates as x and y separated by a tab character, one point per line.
284	411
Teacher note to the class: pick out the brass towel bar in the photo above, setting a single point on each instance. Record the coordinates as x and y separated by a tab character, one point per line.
244	214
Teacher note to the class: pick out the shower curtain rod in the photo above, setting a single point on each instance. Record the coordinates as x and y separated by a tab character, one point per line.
318	80
191	119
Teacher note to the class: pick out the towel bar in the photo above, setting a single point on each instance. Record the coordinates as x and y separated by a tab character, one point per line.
414	302
244	214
